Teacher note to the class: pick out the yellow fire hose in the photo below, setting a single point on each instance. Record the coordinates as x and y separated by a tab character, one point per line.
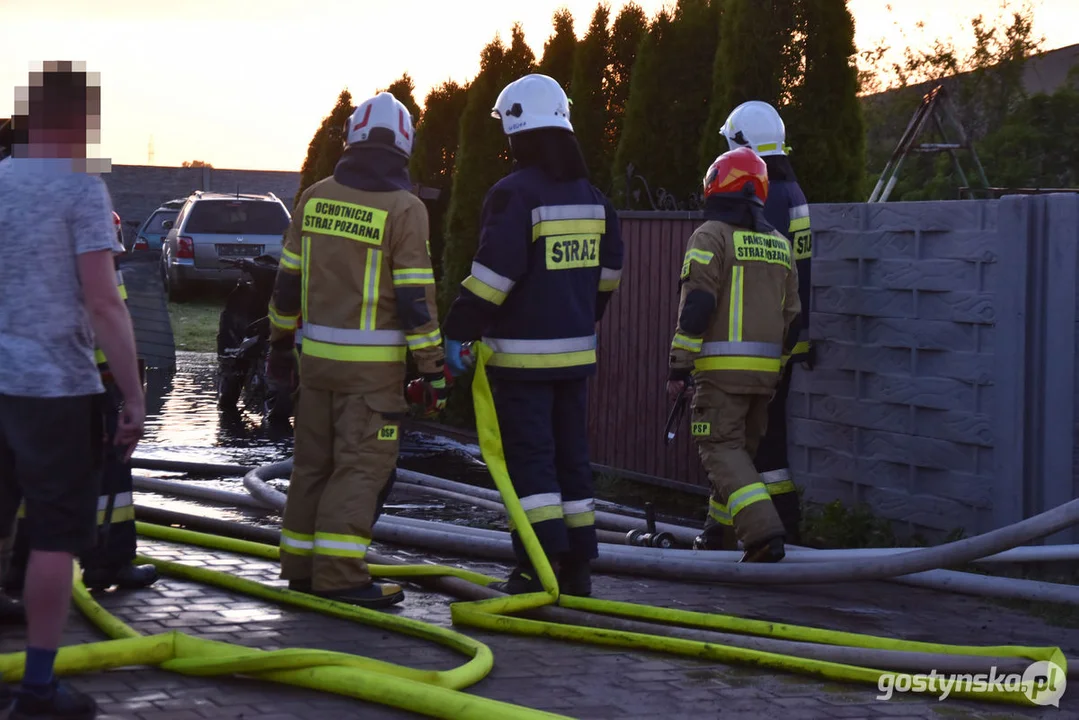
494	614
431	693
438	693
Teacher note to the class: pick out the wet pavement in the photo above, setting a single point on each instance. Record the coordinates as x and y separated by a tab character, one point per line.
578	681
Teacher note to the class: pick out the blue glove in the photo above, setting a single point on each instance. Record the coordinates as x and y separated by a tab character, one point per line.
454	359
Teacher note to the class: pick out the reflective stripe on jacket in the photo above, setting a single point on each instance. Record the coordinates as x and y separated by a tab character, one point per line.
739	296
99	354
355	266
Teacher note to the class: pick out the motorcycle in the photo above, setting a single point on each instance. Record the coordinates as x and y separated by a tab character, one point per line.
243	343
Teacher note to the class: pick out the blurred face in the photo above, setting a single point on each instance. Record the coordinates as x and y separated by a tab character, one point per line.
58	113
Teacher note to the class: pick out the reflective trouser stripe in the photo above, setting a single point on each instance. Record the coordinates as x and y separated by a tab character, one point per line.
297	543
609	279
372	273
579	513
542	506
776	482
718	512
734	320
123	508
553	353
346	546
289	260
743	497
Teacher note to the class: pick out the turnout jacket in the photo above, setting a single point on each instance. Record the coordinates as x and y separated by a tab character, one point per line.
739	297
549	258
786	209
355	266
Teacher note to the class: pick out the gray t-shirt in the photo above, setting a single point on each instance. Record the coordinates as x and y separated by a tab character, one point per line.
49	214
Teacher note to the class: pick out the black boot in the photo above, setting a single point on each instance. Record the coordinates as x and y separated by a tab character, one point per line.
521	580
59	701
127	577
769	551
12	612
371	595
575	577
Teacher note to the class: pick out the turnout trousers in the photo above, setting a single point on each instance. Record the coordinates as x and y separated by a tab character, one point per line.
344	464
727	436
771	462
544	427
116	538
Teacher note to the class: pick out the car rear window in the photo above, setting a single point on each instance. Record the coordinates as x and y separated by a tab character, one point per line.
153	225
237	217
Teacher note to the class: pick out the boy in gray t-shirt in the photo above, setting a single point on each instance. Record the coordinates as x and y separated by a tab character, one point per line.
58	296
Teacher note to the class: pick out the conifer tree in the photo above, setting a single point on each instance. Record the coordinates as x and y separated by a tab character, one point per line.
403	89
559	50
434	153
757	59
326	146
668	101
589	93
627	32
825	127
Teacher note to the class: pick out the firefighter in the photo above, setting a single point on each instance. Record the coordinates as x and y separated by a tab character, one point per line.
355	269
739	298
757	125
110	562
549	258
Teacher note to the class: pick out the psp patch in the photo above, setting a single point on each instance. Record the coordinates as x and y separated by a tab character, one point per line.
701	429
387	432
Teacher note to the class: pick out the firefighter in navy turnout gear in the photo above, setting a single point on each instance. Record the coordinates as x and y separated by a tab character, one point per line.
739	298
757	125
109	563
355	269
549	258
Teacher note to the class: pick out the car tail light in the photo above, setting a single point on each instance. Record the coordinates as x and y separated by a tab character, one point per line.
141	244
185	248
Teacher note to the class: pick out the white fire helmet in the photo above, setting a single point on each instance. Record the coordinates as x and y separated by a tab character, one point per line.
530	103
386	114
756	125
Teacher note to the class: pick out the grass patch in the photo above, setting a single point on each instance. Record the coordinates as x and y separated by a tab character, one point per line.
194	324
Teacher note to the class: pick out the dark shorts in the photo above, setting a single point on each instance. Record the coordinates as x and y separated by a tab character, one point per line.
51	452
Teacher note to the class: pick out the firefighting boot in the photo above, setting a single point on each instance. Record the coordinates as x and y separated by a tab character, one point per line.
371	595
522	580
575	577
126	577
769	551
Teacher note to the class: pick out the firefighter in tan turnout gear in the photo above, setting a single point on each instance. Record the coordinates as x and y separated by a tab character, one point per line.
739	298
355	267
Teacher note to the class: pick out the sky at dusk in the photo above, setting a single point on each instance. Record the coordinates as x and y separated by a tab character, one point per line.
245	83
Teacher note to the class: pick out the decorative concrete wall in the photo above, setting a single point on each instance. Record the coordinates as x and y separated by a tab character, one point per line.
898	411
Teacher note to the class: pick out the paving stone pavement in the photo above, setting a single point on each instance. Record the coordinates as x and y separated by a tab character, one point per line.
578	681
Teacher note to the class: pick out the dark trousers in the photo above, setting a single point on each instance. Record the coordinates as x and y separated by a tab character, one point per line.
114	544
544	427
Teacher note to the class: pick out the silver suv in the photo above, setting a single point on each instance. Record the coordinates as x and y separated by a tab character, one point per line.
213	227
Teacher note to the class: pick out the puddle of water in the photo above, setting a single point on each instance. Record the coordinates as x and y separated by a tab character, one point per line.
183	423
